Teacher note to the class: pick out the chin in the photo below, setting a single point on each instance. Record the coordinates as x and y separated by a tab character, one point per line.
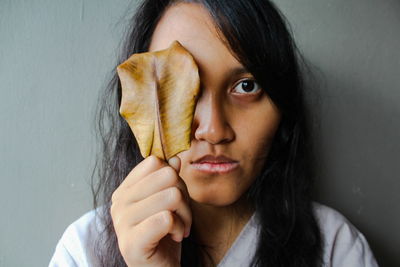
217	198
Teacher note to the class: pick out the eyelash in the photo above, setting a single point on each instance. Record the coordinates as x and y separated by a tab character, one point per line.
256	85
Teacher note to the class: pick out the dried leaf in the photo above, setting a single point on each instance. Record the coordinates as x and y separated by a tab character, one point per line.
159	91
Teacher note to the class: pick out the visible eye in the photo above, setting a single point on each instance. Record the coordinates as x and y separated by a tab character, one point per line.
247	87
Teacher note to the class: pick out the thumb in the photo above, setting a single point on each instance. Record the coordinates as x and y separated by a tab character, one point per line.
175	163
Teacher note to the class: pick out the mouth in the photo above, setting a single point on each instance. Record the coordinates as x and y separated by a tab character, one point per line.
215	164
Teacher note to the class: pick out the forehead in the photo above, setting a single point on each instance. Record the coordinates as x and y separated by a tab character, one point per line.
193	27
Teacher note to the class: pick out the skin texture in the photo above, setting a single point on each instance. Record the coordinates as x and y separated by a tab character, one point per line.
154	200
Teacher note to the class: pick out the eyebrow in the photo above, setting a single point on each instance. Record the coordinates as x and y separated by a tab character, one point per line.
237	71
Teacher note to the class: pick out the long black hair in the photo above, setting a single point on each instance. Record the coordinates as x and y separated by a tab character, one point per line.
258	36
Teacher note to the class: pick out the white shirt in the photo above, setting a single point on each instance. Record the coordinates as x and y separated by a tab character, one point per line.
344	245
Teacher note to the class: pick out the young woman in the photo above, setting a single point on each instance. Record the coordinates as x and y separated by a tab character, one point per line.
240	196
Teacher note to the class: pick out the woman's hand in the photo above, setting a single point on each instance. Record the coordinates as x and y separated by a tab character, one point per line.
151	214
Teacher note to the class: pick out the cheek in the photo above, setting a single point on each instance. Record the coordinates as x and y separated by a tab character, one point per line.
255	131
255	153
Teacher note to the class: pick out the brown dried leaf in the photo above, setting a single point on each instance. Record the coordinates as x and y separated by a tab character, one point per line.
159	91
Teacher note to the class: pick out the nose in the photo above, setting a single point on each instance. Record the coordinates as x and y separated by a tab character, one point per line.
210	122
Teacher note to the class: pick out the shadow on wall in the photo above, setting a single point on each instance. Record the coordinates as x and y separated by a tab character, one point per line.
357	148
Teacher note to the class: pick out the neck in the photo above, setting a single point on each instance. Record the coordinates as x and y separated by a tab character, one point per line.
218	227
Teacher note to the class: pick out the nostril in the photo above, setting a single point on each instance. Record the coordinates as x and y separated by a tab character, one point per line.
213	134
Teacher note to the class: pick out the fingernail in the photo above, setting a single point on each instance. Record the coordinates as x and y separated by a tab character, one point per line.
174	162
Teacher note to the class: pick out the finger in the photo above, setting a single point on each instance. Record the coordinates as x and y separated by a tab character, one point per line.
153	229
175	162
147	166
171	199
153	183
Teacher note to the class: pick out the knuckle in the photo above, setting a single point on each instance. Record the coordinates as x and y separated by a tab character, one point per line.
112	209
154	161
114	197
174	195
124	246
170	174
116	219
119	218
166	218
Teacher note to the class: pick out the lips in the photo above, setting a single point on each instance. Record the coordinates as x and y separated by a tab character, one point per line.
214	159
215	164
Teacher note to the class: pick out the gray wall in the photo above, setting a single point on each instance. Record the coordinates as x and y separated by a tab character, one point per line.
55	57
353	49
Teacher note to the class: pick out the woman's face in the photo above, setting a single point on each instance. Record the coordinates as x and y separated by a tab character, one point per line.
234	121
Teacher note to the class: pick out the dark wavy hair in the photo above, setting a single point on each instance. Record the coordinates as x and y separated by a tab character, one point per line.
258	36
